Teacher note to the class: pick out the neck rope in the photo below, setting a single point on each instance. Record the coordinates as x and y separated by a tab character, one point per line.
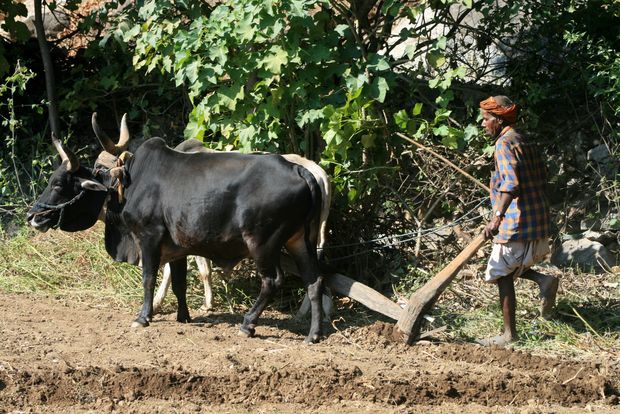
117	172
60	207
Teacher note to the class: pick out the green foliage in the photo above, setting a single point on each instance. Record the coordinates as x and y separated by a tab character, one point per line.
16	29
313	84
16	182
259	84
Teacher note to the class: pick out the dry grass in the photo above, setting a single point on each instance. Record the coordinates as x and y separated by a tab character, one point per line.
586	321
72	265
76	266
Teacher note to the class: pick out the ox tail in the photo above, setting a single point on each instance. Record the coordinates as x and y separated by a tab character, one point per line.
312	223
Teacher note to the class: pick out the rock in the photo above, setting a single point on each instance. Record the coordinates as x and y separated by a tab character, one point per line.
54	21
606	163
603	237
599	154
610	222
584	253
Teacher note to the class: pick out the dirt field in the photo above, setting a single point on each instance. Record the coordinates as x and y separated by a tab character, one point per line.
57	356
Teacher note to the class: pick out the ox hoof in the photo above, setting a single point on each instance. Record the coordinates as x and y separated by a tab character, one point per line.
245	331
140	323
183	319
312	339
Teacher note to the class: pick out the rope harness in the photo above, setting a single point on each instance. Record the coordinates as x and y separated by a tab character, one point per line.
61	207
117	172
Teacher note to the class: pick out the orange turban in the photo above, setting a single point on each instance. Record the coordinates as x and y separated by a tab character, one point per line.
507	113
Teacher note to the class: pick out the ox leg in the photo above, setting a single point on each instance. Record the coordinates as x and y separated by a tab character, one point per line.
150	266
162	290
268	271
178	271
307	263
327	304
205	270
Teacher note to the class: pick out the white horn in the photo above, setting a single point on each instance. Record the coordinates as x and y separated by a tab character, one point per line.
103	138
65	154
124	135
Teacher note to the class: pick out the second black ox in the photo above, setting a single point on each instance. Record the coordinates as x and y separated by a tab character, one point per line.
223	206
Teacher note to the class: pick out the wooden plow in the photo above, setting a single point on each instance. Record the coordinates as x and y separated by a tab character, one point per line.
408	319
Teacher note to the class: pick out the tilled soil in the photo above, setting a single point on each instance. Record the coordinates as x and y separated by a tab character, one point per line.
59	356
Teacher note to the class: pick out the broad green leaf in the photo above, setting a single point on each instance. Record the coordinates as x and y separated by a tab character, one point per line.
441	131
245	29
166	64
147	10
401	118
410	50
298	8
382	65
450	141
441	42
194	130
329	136
436	59
417	109
460	72
229	96
308	117
471	131
131	33
246	137
445	98
433	83
368	140
488	150
18	29
441	114
191	70
219	54
318	53
356	82
275	60
341	29
352	194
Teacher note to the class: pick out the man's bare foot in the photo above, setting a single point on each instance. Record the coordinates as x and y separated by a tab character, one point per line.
548	291
499	340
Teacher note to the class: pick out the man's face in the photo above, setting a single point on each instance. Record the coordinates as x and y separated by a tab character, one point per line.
491	124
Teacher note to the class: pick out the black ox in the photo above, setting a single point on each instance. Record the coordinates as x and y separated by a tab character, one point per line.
223	206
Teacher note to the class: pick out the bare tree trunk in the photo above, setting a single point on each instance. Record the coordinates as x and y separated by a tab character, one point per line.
50	82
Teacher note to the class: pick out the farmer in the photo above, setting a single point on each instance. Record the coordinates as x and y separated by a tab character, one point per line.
519	224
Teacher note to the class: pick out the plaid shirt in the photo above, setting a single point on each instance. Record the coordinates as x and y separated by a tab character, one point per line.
519	170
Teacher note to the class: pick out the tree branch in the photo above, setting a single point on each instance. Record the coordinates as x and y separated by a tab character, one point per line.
50	82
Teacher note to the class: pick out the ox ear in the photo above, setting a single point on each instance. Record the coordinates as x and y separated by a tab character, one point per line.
92	185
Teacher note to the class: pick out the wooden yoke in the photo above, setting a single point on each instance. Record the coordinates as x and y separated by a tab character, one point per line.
423	299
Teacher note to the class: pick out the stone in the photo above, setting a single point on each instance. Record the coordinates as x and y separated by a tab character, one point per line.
54	22
599	154
610	222
604	237
584	253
